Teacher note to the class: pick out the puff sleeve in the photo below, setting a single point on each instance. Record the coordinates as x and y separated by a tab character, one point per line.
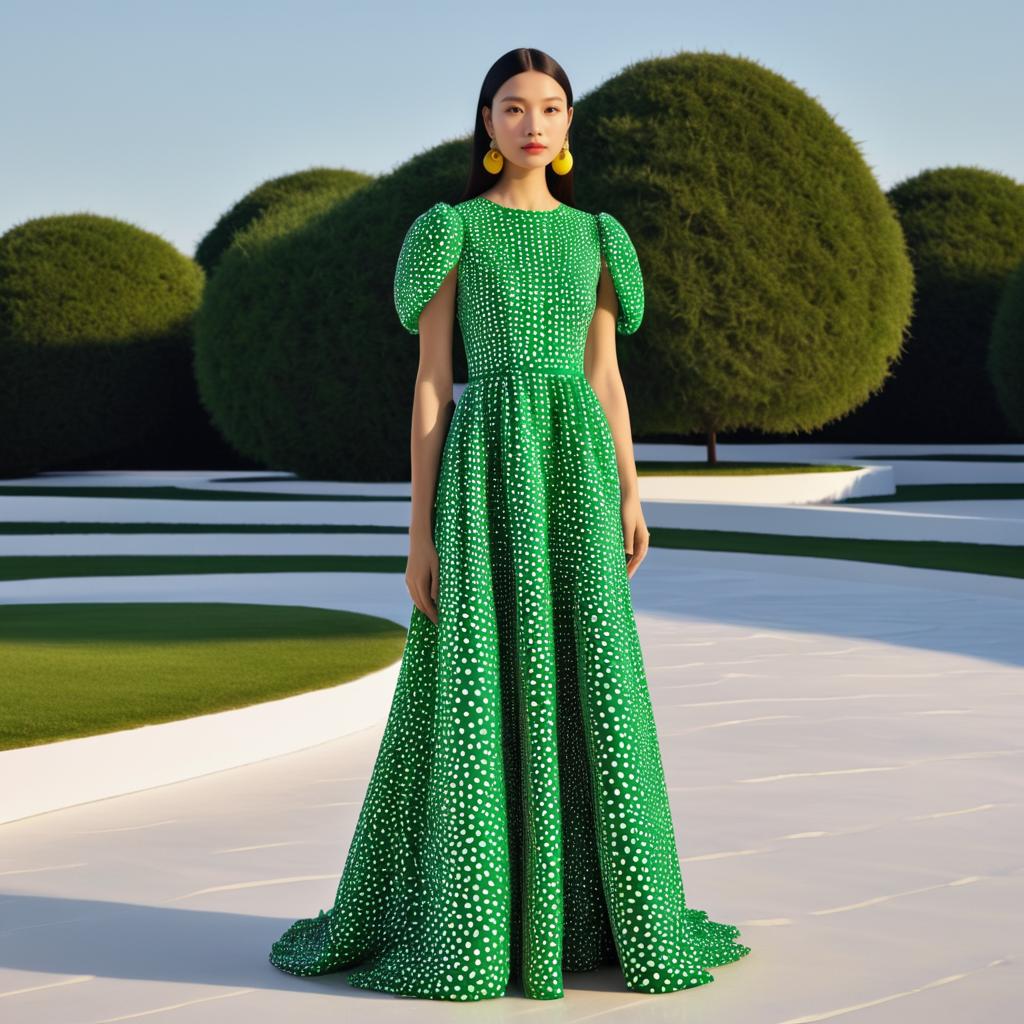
624	267
431	247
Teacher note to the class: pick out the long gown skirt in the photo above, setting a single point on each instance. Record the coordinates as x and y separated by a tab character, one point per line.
517	823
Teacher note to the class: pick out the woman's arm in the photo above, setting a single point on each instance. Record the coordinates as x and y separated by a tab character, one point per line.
432	408
602	370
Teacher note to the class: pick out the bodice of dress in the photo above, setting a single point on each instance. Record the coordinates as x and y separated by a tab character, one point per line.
527	280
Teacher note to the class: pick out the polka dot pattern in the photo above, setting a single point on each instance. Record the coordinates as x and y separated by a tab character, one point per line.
624	267
516	824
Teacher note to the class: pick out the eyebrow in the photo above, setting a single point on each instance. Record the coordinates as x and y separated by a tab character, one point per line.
546	99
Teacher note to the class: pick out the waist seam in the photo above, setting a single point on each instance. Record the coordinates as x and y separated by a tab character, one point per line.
523	371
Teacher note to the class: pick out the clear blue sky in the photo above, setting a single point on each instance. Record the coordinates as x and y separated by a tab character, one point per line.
164	113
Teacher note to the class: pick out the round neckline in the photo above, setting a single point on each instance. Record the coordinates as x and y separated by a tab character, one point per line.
519	209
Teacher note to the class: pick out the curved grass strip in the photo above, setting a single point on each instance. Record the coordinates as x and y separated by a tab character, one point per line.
943	492
81	669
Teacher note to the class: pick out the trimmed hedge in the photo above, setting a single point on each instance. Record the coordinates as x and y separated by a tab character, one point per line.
270	195
965	230
95	340
300	358
1005	363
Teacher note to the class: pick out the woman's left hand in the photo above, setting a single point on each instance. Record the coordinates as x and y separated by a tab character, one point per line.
635	534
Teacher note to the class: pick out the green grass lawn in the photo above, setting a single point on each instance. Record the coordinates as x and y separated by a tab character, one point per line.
944	492
944	457
990	559
81	669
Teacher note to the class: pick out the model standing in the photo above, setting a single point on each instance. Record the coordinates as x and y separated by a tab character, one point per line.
517	821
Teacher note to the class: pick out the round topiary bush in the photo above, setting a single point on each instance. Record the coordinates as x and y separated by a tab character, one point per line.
1005	362
315	181
301	361
965	230
778	283
95	339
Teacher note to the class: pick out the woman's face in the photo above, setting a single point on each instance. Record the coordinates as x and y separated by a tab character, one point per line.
529	108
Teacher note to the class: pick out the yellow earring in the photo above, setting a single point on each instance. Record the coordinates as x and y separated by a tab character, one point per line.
562	164
493	160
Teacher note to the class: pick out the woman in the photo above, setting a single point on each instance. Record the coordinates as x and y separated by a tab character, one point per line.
517	821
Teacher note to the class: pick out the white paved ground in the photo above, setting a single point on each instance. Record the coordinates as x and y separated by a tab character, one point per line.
843	742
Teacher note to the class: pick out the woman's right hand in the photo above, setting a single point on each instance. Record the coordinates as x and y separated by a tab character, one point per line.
421	574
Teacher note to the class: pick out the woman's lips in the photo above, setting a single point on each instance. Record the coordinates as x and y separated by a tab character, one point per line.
534	148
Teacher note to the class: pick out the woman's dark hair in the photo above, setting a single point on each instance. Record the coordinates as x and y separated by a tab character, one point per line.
509	64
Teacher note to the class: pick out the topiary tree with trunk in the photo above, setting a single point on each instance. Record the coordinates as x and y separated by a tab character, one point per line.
779	288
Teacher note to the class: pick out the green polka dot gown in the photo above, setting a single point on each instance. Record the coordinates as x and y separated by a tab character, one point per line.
516	823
